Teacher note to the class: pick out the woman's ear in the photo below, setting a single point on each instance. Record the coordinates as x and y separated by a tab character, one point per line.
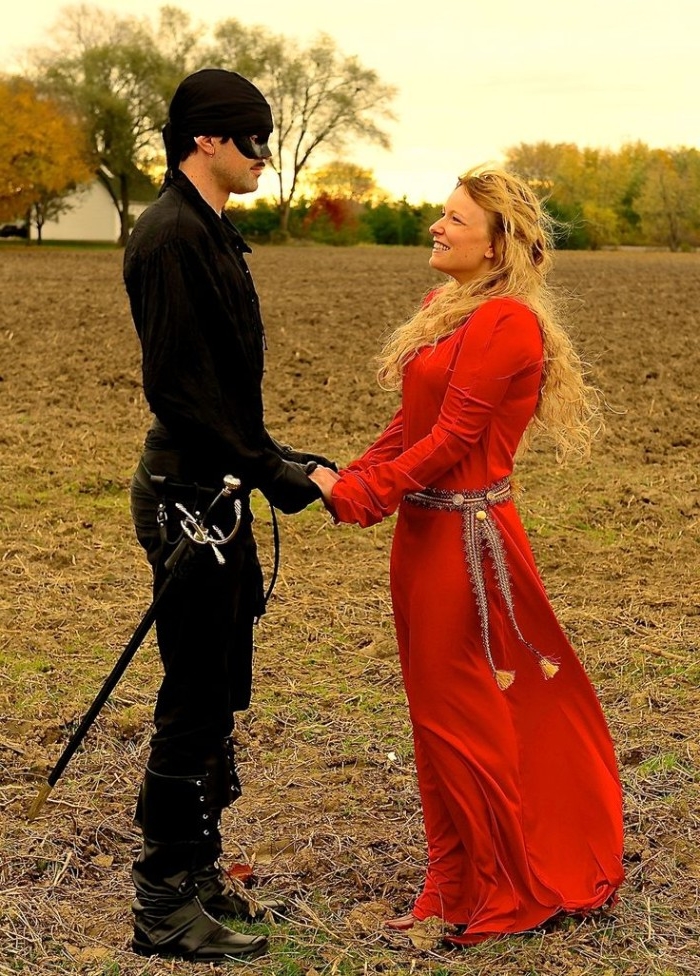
489	251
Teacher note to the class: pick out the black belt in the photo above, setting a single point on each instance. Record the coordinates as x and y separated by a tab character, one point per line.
170	488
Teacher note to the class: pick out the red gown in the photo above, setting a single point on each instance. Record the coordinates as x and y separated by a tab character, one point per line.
519	787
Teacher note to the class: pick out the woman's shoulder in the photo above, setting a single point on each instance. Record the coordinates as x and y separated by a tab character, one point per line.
506	324
507	306
509	315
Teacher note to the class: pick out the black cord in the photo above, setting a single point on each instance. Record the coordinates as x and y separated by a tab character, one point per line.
276	561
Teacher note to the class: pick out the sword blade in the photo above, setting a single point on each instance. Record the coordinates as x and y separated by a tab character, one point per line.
105	691
184	546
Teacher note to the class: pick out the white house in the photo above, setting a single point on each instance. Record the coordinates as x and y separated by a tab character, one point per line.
93	216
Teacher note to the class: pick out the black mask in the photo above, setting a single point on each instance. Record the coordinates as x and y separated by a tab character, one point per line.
252	147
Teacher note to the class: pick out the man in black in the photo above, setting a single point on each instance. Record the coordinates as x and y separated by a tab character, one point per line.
197	315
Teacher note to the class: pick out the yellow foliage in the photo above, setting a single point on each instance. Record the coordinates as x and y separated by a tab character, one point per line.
341	180
43	152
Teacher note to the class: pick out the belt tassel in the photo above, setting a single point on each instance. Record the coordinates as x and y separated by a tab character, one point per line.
479	531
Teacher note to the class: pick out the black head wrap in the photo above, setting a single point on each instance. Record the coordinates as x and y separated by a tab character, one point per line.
213	102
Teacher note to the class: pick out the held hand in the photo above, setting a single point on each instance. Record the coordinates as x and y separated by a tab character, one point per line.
321	461
305	457
325	479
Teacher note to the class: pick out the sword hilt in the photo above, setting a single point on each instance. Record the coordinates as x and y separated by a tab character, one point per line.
231	484
195	526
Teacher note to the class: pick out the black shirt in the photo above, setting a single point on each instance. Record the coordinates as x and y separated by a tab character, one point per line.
197	315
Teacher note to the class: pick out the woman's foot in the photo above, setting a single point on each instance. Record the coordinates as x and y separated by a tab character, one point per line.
401	924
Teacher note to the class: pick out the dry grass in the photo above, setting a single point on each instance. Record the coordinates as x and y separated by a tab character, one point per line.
330	813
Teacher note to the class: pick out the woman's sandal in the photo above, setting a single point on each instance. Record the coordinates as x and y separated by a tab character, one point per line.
401	924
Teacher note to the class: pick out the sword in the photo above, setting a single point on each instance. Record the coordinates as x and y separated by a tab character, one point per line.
195	531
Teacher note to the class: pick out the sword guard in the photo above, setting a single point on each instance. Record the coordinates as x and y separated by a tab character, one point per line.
203	535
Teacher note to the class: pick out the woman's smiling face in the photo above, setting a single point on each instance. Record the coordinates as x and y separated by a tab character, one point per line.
462	245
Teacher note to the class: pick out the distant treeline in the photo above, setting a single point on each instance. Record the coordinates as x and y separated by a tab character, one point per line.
635	196
94	100
598	198
340	221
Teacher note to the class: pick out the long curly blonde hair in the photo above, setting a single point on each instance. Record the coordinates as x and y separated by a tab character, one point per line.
521	234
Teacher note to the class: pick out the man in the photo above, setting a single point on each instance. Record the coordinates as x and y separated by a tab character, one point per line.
196	313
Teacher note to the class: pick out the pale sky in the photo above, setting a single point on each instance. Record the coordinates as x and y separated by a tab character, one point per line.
475	77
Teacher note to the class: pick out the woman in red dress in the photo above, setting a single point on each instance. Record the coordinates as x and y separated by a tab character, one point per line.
517	773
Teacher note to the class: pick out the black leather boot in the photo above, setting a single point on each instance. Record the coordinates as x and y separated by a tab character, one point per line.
169	918
221	896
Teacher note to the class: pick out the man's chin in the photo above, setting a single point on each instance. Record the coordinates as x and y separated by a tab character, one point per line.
249	187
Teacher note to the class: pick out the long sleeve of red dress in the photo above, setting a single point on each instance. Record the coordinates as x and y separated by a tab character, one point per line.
501	340
387	446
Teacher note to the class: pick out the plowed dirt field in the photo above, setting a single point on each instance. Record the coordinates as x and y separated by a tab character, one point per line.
330	814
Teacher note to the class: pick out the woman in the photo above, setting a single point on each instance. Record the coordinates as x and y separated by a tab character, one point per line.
516	769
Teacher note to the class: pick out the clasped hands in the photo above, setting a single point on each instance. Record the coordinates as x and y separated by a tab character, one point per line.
324	478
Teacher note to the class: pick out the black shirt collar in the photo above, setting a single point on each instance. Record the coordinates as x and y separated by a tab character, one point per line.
221	226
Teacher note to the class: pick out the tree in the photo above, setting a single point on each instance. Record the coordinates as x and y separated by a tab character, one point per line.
334	220
342	180
49	206
549	168
319	97
257	223
115	78
43	155
587	189
399	222
339	193
669	203
601	225
632	162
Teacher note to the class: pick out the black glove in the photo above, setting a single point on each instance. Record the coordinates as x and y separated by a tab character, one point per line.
291	490
301	457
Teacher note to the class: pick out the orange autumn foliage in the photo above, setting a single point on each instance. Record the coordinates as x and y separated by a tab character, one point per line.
43	152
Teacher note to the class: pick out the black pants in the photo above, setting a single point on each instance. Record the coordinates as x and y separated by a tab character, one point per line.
204	629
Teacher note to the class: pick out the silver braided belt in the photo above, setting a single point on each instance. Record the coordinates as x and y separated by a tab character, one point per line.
481	533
